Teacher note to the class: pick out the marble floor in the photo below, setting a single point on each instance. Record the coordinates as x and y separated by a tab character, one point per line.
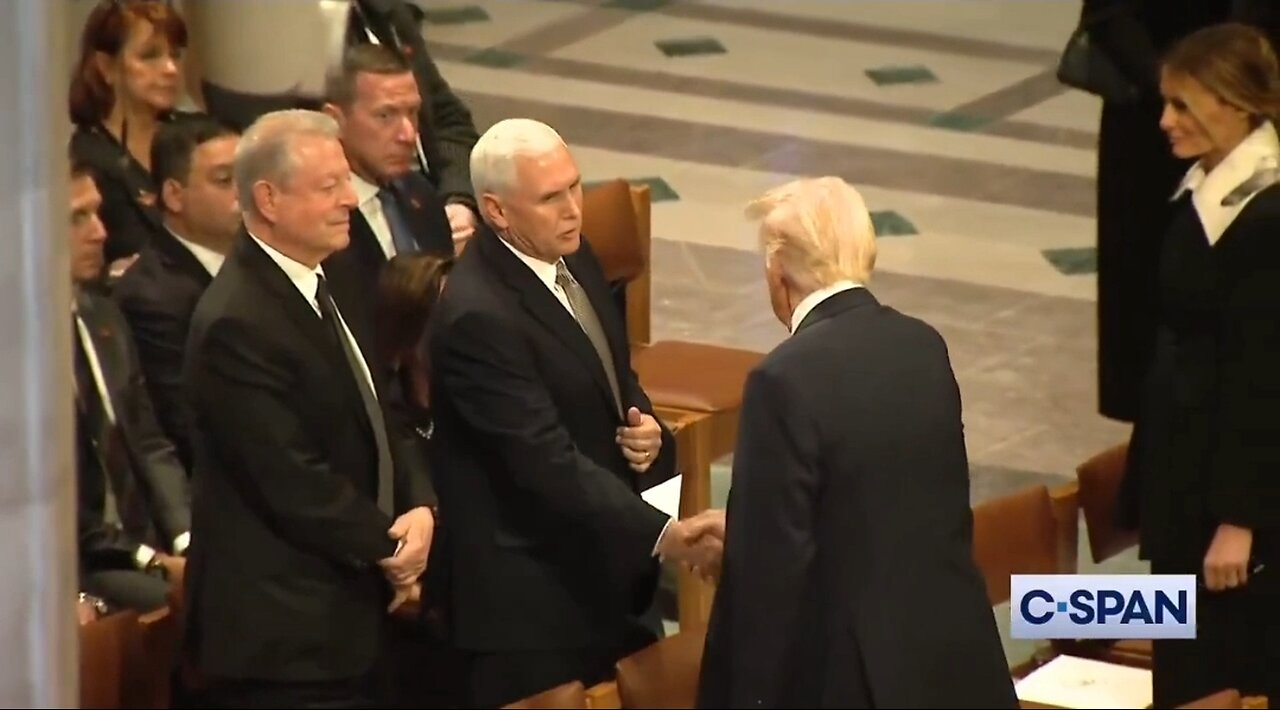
978	165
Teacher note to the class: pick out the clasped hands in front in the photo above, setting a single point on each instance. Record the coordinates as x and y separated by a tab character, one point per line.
413	532
696	541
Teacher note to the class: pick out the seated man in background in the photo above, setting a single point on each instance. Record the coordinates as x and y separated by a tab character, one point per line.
848	577
374	98
133	515
191	162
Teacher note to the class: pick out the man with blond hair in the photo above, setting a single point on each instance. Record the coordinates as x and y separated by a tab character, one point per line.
848	577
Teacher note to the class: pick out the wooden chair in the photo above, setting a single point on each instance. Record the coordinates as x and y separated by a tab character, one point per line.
1229	698
1099	479
1015	534
107	647
154	658
604	696
568	695
664	675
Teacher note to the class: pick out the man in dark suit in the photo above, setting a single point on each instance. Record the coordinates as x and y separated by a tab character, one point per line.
544	438
448	132
307	532
848	577
375	100
133	516
191	161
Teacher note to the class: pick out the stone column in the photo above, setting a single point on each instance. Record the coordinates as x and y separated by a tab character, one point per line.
37	483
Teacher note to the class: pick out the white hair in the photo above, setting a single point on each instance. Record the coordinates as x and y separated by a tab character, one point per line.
265	151
819	231
493	159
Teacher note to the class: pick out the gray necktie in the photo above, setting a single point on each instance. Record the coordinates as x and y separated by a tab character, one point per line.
590	323
386	473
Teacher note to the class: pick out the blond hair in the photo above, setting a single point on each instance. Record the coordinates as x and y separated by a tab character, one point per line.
819	231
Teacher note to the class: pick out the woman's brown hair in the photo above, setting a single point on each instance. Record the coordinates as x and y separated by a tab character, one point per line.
1234	61
407	294
106	31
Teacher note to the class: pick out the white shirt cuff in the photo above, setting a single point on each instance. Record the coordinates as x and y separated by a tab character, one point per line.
143	556
658	542
181	543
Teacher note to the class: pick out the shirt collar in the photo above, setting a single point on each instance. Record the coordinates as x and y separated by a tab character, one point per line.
208	258
365	190
545	272
1257	153
808	303
304	278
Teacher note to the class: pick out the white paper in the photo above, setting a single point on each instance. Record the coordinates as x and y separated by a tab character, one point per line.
665	496
1072	682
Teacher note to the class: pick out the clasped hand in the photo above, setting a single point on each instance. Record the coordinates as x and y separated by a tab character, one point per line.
640	439
1226	564
414	531
697	542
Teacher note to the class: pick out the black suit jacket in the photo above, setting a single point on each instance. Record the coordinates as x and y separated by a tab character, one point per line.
848	577
550	540
158	294
150	484
283	582
354	272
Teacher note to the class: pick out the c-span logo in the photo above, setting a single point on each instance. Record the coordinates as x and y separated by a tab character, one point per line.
1084	606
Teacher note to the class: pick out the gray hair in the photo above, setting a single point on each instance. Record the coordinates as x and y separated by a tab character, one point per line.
819	231
493	159
266	150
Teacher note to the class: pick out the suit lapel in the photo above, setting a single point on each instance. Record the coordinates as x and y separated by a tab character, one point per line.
538	300
424	211
296	309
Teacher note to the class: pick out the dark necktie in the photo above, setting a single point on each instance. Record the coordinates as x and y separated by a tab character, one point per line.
586	316
329	312
401	234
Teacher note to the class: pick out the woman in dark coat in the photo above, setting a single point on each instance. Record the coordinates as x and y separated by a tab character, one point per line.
1136	175
1204	478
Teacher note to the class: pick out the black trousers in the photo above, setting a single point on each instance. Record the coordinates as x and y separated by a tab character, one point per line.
1237	645
128	589
355	693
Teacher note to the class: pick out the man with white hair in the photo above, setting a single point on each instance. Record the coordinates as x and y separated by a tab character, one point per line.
543	438
304	531
848	577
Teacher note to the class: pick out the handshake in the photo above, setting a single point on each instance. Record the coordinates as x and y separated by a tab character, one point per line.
414	531
697	542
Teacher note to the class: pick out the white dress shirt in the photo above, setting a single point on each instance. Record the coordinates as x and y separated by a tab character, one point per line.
306	279
1259	151
808	303
371	208
208	258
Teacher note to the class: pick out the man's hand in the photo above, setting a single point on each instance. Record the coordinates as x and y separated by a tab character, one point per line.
173	565
1226	564
462	221
697	541
414	530
640	439
407	594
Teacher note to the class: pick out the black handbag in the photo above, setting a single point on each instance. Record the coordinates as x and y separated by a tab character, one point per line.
1084	64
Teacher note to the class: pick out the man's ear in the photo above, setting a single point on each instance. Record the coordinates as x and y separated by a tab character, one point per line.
171	194
491	208
335	112
264	200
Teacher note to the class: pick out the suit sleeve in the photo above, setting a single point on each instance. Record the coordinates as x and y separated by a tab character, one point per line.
162	478
769	541
101	546
245	404
497	393
1244	474
160	336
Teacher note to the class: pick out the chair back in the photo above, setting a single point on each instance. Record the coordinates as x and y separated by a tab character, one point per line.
1015	534
567	695
1100	478
664	675
107	647
616	222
